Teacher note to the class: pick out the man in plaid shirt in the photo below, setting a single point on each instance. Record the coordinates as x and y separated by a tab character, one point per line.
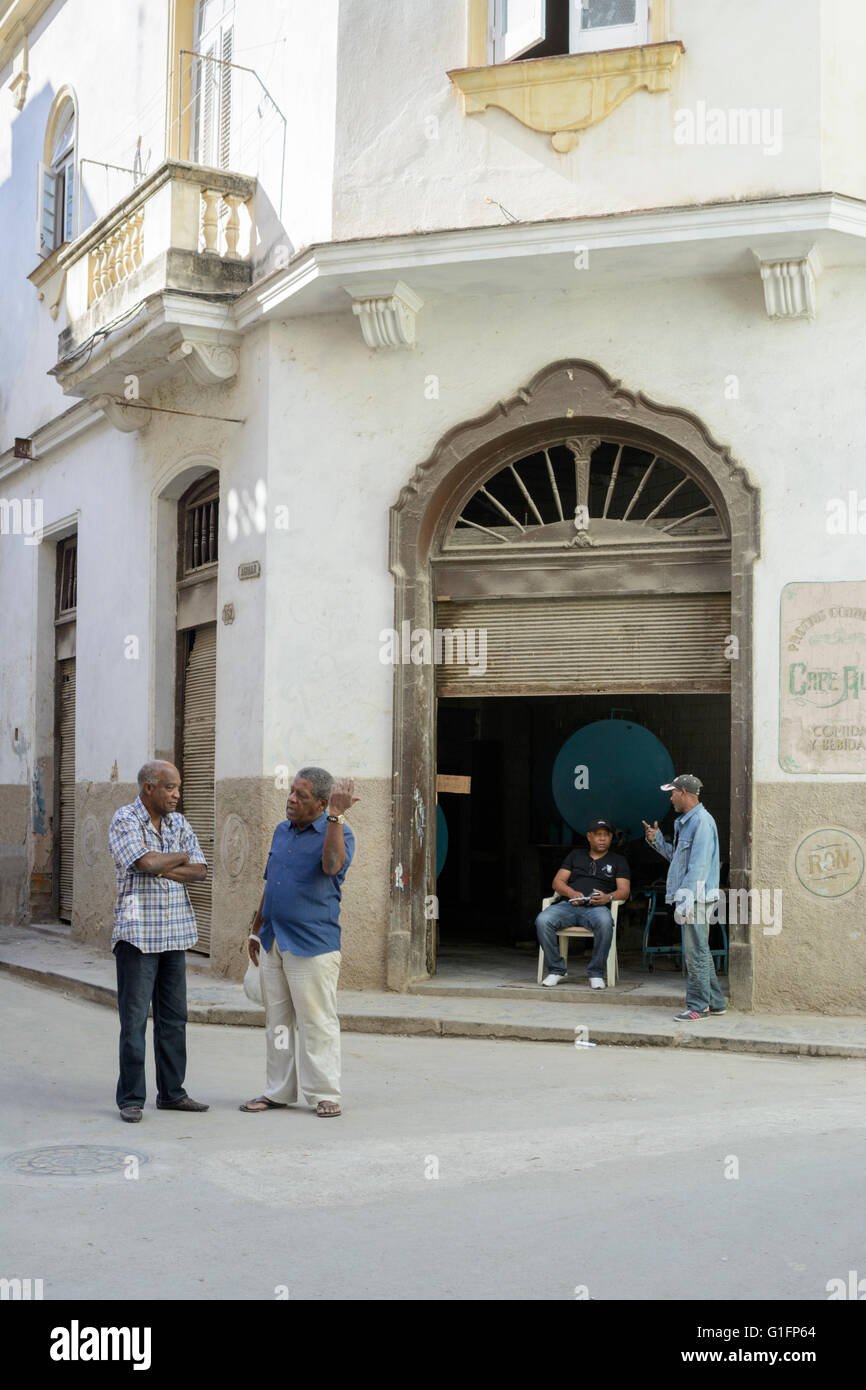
155	853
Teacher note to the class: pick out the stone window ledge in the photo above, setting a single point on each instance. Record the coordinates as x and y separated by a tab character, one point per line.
564	95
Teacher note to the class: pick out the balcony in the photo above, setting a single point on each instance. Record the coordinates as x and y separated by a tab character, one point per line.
146	285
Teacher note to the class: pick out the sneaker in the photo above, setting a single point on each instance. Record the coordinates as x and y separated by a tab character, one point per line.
550	980
688	1016
597	982
715	1012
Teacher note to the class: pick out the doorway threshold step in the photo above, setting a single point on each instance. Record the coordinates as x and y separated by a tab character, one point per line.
562	994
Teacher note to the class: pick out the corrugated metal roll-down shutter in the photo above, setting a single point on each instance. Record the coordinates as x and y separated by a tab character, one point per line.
570	646
66	678
197	785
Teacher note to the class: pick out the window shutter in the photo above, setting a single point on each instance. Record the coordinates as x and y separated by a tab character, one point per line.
208	99
69	200
47	212
199	732
225	100
66	677
518	24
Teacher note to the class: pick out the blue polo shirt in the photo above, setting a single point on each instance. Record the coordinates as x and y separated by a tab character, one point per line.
302	902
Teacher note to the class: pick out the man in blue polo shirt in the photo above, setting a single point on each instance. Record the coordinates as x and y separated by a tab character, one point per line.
298	924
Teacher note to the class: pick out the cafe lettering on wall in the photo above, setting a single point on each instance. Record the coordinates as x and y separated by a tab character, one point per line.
823	677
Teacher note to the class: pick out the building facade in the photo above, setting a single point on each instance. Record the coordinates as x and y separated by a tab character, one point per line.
407	388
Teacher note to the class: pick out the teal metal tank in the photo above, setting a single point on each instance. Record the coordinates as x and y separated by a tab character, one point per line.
612	769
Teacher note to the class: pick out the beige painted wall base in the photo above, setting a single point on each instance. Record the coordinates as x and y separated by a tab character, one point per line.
14	885
94	889
248	810
818	960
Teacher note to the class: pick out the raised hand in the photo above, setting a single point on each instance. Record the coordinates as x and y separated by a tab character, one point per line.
342	797
651	830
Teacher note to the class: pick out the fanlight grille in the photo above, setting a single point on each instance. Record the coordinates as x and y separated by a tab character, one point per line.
586	492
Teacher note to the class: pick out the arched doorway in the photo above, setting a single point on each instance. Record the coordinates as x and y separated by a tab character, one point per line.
485	535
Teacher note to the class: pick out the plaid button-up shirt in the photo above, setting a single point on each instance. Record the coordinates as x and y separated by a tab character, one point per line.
154	914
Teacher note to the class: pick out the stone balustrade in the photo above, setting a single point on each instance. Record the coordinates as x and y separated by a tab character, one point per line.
117	256
173	209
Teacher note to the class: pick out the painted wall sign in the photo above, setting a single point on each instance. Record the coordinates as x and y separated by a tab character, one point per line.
829	863
251	570
822	708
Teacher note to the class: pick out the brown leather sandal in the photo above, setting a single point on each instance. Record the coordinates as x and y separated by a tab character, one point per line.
260	1104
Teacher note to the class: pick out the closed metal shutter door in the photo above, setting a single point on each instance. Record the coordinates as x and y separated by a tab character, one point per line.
66	679
562	646
197	787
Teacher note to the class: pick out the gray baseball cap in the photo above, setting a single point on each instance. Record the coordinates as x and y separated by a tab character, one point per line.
686	782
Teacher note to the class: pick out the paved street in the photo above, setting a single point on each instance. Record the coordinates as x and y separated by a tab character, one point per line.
559	1168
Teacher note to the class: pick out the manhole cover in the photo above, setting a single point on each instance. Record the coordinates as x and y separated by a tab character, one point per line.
69	1160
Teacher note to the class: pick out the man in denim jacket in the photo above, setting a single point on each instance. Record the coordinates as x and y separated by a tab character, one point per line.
693	885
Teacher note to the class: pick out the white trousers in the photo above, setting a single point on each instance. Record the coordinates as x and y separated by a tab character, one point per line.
301	1025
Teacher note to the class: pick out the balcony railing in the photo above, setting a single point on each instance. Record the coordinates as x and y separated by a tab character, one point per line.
180	208
184	229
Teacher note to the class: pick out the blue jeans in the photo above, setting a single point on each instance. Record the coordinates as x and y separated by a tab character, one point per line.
157	979
559	915
702	986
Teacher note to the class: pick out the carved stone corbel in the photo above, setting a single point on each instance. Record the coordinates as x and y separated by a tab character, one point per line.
20	78
387	319
127	416
789	285
209	364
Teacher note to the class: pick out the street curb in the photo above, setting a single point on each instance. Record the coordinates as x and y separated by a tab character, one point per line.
397	1025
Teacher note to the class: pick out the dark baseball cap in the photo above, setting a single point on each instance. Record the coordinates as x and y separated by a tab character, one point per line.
686	782
600	825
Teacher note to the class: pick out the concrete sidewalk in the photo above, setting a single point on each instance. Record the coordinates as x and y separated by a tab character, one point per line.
46	955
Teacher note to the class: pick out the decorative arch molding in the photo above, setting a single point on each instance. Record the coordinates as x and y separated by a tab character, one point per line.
173	482
66	94
580	398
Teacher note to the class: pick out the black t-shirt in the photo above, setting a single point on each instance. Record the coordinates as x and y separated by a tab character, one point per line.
586	874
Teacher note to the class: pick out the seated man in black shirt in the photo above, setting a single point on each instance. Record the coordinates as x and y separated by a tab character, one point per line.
588	881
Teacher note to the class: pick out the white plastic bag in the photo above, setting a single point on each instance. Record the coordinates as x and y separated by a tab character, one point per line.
253	984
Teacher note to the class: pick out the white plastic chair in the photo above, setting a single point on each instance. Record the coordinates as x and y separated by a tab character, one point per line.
612	968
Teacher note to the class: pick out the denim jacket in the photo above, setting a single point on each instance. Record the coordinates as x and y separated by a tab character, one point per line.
693	856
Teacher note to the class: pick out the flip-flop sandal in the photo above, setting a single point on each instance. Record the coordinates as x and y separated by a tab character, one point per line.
327	1114
260	1105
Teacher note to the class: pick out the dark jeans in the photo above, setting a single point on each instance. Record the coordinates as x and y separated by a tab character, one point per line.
157	980
562	914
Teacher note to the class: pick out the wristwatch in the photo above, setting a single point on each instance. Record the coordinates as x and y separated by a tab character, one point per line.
336	820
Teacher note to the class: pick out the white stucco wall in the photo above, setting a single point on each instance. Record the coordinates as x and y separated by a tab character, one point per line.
843	58
351	426
114	59
409	159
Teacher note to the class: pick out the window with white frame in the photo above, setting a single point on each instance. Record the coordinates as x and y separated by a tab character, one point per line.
56	217
545	28
597	24
214	41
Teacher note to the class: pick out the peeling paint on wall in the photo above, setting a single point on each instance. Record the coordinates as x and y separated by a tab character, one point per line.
39	825
399	877
419	816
